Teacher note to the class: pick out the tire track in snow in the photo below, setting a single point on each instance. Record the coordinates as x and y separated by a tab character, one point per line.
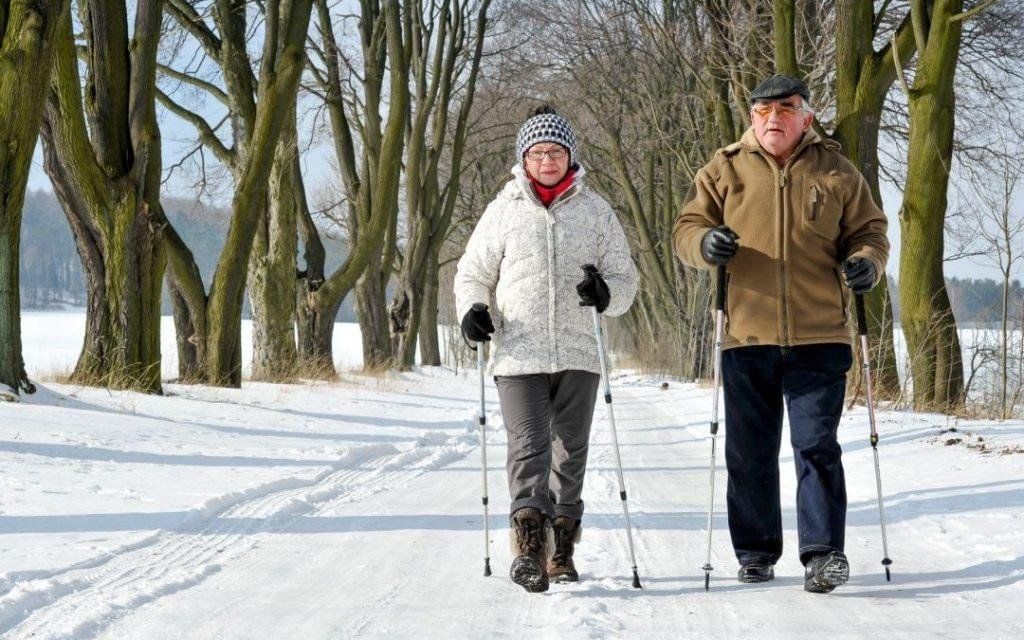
83	599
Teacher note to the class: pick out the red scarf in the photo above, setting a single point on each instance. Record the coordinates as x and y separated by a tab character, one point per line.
547	195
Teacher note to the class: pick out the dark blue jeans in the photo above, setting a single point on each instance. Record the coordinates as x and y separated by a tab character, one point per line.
812	380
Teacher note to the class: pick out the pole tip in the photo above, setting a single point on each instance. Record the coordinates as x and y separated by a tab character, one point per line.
487	567
707	582
636	580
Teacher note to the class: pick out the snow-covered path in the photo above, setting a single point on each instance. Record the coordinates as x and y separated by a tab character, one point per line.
353	510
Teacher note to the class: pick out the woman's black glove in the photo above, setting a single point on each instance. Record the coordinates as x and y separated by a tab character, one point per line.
476	324
593	290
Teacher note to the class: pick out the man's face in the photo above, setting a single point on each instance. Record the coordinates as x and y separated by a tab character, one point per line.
780	124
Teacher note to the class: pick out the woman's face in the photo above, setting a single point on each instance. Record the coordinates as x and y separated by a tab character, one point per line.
547	162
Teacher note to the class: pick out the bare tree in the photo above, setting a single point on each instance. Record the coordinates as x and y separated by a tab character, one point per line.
102	154
996	229
27	41
928	322
368	148
260	107
444	64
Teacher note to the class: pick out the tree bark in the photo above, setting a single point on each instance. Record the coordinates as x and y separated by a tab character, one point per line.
928	322
863	78
430	348
370	177
27	39
272	270
373	320
107	180
281	68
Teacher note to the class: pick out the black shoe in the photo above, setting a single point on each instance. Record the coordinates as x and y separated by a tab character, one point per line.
825	572
755	572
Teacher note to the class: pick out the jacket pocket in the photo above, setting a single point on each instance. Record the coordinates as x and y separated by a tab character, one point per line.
822	207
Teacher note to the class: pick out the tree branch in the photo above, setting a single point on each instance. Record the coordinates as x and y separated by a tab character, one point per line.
207	134
199	83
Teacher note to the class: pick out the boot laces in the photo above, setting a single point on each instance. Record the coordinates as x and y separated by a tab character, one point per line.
563	546
530	533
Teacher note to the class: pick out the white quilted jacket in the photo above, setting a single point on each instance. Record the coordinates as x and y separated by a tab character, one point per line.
524	260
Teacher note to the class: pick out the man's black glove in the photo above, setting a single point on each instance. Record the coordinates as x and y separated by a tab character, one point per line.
593	290
719	244
476	324
859	274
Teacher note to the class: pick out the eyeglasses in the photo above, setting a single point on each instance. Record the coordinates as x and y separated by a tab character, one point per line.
555	154
785	110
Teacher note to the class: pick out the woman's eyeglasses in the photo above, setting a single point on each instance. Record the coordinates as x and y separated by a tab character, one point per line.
554	154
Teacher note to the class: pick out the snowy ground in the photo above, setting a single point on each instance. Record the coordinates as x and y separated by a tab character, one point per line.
353	510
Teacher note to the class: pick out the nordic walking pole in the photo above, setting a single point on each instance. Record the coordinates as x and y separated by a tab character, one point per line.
588	269
862	331
479	306
719	328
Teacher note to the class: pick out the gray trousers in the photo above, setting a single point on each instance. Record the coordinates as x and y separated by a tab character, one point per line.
547	418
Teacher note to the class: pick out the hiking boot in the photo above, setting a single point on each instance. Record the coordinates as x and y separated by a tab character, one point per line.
530	548
561	567
825	572
756	572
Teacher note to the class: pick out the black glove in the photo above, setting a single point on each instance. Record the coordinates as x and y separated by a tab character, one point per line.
719	244
476	324
859	274
593	290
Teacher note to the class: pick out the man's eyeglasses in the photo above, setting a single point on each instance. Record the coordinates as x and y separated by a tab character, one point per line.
555	154
786	110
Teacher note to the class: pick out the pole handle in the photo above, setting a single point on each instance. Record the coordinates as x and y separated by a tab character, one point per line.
862	321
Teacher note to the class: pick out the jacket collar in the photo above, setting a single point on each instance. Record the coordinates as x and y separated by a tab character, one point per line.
520	188
749	141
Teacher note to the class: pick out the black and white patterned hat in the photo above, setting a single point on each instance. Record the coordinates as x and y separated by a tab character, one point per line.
545	126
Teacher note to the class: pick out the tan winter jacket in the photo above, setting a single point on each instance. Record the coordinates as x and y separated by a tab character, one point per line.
797	224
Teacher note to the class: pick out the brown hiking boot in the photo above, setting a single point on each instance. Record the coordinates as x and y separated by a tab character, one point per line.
561	567
530	547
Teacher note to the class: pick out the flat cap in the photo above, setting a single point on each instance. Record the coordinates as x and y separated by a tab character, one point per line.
779	86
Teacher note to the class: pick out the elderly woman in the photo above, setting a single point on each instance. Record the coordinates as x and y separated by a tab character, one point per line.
524	261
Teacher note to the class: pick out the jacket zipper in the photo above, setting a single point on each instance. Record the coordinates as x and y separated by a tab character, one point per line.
782	180
782	254
814	202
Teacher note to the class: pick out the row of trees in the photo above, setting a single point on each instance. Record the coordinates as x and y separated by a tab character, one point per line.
390	92
419	101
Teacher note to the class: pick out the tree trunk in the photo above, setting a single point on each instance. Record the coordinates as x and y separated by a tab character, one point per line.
188	299
316	338
27	34
373	319
863	78
190	371
280	71
1004	344
928	322
272	273
107	180
430	348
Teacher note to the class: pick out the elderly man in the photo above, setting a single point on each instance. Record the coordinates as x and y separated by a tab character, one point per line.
791	219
